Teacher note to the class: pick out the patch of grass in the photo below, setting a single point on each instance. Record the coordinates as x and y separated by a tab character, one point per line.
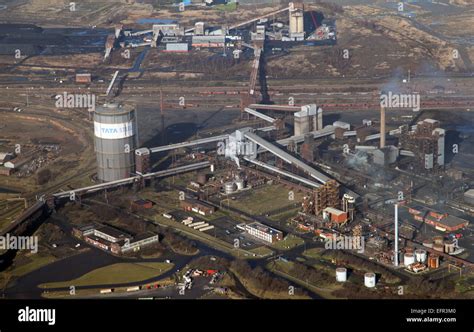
229	7
289	242
36	263
115	274
284	269
261	251
313	253
265	199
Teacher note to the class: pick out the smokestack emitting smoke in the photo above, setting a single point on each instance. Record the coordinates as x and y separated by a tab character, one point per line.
395	251
382	127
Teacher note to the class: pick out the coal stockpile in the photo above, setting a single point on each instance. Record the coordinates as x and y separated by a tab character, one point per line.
34	40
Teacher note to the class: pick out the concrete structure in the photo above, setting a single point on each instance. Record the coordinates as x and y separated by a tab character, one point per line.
172	29
208	41
115	131
343	125
199	28
263	232
382	127
395	249
177	47
385	156
308	119
469	196
296	20
142	161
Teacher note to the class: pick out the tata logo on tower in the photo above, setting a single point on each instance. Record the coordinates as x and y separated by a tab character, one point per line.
113	130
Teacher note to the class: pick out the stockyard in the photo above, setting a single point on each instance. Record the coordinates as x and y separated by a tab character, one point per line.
321	168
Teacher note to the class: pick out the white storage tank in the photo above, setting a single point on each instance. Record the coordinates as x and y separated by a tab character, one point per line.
341	274
408	259
369	279
240	183
229	187
420	255
449	247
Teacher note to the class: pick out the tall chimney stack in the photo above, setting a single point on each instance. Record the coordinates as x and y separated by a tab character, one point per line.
395	250
382	127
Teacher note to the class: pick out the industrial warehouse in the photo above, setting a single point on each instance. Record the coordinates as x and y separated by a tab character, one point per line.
113	240
211	150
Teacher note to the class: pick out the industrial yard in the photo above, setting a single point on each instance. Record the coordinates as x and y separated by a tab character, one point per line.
237	150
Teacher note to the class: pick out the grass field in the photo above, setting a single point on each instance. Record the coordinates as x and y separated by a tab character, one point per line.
289	242
313	253
284	269
265	199
229	7
115	274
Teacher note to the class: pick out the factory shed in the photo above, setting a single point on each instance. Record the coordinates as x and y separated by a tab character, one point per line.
18	162
469	196
197	206
335	215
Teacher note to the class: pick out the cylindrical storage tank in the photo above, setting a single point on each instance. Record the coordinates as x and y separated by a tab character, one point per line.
438	247
428	244
420	255
115	140
296	21
201	178
449	247
408	259
341	274
351	207
300	23
240	184
369	280
433	261
229	187
345	200
438	240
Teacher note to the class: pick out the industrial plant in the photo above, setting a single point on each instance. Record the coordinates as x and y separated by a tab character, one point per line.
237	150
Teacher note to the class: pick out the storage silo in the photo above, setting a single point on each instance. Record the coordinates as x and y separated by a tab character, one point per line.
369	280
115	140
229	187
408	259
420	255
341	274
